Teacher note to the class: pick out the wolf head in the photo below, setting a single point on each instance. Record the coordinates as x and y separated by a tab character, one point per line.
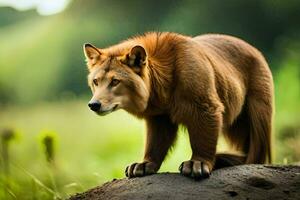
117	78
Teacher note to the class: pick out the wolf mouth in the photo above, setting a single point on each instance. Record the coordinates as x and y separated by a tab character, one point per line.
105	112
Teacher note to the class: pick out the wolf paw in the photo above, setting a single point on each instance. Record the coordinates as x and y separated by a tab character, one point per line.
195	169
141	169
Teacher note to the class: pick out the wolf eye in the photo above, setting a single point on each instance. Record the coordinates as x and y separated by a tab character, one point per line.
95	81
114	82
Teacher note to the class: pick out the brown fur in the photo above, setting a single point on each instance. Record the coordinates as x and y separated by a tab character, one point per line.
211	84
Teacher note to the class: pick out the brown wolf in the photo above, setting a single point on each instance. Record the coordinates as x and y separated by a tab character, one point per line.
211	84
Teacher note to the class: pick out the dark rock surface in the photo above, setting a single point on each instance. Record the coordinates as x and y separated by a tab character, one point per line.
238	182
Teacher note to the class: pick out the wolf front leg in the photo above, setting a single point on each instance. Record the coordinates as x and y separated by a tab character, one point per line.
161	133
204	125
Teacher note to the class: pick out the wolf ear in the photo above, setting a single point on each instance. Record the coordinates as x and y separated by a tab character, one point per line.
136	58
92	54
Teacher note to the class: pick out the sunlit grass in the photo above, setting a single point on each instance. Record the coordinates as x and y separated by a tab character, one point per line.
90	149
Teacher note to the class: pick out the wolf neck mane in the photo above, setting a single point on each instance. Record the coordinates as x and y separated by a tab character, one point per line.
159	73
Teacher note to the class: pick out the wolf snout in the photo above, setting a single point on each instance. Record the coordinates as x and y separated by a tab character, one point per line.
94	105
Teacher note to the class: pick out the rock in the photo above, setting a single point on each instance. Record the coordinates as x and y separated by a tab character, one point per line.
238	182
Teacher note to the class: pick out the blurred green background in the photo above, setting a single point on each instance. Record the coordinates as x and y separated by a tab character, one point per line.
53	146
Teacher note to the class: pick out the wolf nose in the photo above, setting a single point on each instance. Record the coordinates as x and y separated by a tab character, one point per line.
94	105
